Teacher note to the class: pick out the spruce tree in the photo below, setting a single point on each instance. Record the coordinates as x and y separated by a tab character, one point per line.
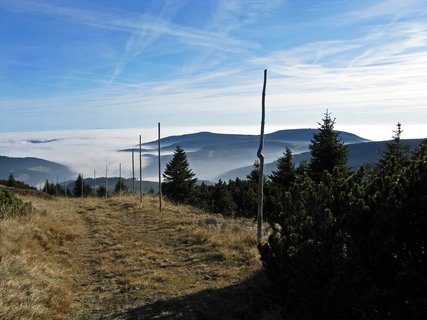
327	149
50	188
11	182
120	187
77	190
87	190
222	201
179	179
101	191
396	153
284	176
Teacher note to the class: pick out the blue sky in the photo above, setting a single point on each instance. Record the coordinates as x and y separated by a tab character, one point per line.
125	64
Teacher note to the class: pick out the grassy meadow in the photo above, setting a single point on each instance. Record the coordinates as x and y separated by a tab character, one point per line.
118	258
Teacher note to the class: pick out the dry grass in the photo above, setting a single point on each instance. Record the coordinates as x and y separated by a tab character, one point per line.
93	258
36	281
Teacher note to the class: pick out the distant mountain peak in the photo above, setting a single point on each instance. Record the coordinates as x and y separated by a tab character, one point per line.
210	154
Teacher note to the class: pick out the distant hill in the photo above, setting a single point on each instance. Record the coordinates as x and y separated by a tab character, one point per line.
211	154
359	153
33	170
197	141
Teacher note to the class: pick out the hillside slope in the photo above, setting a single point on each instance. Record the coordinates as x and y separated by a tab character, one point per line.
118	259
32	170
358	154
211	154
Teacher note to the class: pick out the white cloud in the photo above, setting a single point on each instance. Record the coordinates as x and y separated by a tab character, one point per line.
395	9
131	23
386	70
383	72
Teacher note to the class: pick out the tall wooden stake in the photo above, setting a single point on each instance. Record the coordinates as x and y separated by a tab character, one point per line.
66	188
160	169
120	179
133	171
140	168
82	185
261	166
106	180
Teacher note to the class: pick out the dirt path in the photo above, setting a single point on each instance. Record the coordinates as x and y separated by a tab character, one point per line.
138	264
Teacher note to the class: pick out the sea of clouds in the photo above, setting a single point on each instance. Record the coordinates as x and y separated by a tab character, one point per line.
86	151
92	150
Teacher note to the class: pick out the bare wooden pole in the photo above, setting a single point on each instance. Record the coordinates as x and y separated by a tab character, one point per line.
120	178
140	168
66	188
106	180
160	169
82	185
133	171
261	165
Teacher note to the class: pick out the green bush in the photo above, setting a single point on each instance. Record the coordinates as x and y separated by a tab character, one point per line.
353	247
11	206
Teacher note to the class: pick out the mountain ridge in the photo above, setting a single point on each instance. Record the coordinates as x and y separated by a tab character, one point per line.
359	153
32	170
212	156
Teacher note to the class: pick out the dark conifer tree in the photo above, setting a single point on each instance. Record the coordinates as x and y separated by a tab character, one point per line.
179	179
120	187
59	190
222	201
50	188
302	168
87	190
101	191
244	196
284	176
327	149
11	182
396	153
78	184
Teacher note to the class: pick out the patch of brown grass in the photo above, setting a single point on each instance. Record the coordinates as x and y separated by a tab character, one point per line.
35	280
91	258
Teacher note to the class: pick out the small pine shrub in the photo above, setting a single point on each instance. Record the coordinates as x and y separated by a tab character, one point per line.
11	206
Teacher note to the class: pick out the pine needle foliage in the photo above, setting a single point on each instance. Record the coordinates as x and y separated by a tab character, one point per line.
179	179
352	246
327	149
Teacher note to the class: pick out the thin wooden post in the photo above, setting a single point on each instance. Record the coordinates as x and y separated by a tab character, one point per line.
66	189
261	166
120	179
140	168
160	169
82	186
133	171
106	180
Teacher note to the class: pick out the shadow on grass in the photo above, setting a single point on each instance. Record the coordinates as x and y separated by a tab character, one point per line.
246	300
